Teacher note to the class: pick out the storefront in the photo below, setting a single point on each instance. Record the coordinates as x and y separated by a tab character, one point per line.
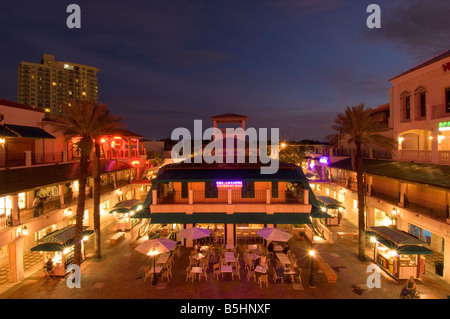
397	252
123	213
333	208
59	247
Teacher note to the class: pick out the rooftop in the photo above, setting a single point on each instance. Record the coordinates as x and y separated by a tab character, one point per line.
423	64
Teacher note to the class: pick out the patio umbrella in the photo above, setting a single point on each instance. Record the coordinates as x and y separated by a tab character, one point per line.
156	246
194	233
274	234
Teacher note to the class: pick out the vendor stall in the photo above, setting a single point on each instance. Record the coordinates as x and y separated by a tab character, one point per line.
333	208
397	252
59	247
123	212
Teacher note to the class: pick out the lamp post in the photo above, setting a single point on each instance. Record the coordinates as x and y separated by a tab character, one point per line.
153	254
311	253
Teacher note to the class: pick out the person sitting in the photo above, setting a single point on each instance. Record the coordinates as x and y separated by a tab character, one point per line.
410	286
270	247
49	265
263	260
286	249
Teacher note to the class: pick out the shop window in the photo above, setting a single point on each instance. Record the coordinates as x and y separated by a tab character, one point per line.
274	189
406	108
184	190
211	190
248	189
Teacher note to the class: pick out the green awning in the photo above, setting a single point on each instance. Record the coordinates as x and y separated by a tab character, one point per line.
236	218
330	203
28	131
411	245
48	247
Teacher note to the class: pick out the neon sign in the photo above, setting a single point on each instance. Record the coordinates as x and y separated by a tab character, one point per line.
323	160
232	184
444	126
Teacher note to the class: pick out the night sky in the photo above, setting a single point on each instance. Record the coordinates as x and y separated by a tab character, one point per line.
291	64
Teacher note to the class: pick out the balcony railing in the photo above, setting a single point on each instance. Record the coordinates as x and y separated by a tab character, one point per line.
237	196
433	210
421	156
386	195
439	111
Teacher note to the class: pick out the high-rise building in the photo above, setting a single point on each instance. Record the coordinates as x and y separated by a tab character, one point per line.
50	83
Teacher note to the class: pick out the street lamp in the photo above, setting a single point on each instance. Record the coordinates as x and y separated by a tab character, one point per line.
311	253
153	254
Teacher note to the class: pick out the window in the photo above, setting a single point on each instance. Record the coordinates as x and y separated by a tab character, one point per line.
274	189
248	189
422	104
447	100
211	190
184	190
406	107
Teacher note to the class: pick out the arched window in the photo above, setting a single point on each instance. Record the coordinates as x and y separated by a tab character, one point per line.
405	98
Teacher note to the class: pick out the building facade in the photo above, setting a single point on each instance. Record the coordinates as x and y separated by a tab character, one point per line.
48	84
35	161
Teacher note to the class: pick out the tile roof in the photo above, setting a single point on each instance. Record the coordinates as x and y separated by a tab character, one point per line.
423	64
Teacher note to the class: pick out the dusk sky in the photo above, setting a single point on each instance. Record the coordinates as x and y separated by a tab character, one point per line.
291	64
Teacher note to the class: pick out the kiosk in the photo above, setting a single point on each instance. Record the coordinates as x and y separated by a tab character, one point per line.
123	213
398	252
333	208
59	246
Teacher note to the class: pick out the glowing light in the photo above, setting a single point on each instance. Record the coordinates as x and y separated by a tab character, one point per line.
373	240
236	184
85	238
323	160
312	253
2	140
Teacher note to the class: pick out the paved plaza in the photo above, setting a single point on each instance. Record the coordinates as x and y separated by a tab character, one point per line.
120	275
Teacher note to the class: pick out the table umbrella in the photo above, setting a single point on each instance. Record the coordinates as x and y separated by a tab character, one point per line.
194	233
157	246
274	234
154	247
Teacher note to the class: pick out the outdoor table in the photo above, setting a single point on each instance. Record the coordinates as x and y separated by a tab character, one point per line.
278	248
162	259
254	256
196	270
283	259
226	269
198	256
261	269
290	272
204	248
252	247
229	257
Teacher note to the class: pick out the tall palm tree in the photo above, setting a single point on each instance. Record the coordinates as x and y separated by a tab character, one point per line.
357	127
84	120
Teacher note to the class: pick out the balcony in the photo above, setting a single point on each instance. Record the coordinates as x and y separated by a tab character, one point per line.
232	197
439	111
386	195
430	209
420	156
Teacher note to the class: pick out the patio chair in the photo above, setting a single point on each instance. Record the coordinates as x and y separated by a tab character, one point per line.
189	274
148	273
49	273
263	279
299	276
250	273
203	274
216	269
276	277
166	274
236	272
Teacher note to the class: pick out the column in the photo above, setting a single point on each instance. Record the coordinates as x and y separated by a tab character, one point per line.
154	197
434	148
369	185
189	242
402	194
268	196
230	234
15	256
191	196
15	218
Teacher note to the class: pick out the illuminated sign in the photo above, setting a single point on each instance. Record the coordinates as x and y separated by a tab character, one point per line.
444	126
323	160
229	184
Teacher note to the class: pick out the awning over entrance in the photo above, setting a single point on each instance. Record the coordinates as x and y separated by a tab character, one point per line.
330	203
236	218
28	131
400	241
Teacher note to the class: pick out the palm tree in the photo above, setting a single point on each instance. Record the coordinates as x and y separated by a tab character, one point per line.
84	120
358	127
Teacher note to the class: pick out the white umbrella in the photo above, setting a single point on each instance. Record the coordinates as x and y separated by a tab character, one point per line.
194	233
156	246
274	234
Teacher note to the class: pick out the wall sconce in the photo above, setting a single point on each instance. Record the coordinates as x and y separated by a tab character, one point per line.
25	230
394	211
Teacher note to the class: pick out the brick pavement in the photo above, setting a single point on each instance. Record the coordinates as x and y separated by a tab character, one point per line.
119	275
